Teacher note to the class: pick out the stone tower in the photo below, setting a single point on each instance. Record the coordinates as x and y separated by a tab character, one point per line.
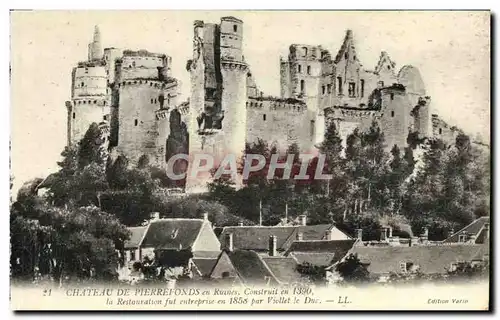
217	116
95	47
89	101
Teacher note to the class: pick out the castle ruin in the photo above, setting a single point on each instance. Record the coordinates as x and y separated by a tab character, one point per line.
133	97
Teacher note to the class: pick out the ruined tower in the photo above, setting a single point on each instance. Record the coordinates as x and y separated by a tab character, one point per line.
88	93
217	122
95	47
146	93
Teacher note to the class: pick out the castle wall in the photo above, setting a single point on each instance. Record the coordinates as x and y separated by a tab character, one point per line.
443	131
138	125
110	57
82	113
278	122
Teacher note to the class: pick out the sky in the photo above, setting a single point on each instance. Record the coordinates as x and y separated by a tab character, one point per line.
450	48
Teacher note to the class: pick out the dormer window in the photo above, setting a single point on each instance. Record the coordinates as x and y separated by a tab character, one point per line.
305	51
462	237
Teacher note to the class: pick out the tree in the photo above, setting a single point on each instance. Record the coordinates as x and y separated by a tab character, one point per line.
80	243
352	270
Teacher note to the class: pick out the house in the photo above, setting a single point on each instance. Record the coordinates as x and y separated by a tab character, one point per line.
173	240
320	252
133	245
251	268
478	231
430	259
256	237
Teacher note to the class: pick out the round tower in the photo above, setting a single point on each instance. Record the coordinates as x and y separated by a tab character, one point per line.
234	95
89	99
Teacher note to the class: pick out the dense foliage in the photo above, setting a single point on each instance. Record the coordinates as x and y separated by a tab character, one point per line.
425	184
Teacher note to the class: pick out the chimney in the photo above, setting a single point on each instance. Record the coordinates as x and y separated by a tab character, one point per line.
328	235
303	219
229	246
300	236
272	246
359	233
155	216
205	216
472	238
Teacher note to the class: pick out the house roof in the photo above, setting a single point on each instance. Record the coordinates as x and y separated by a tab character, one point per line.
172	234
250	267
205	265
430	259
320	252
257	237
283	268
314	258
136	236
474	228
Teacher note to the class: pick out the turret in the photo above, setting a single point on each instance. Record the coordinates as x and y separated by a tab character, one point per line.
95	47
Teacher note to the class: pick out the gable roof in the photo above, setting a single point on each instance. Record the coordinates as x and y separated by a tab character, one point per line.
136	236
172	234
347	44
322	252
430	259
323	259
257	237
283	268
384	58
474	228
250	267
204	265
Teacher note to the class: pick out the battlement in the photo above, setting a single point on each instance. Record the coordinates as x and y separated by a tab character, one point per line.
159	84
162	114
234	65
91	64
338	112
143	53
273	103
183	108
97	102
231	19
